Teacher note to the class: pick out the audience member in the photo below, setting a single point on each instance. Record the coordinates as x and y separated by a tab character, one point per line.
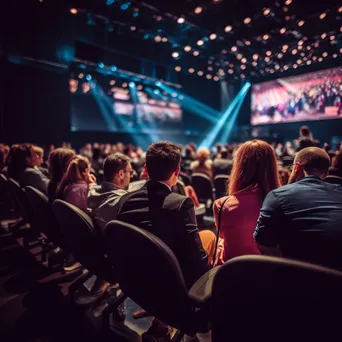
254	174
168	215
103	199
58	163
74	186
302	220
202	164
39	161
284	175
306	139
336	169
4	150
222	164
21	167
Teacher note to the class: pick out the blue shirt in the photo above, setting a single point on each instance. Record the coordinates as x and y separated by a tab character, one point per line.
304	220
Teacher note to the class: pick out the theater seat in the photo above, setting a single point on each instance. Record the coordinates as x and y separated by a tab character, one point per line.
149	273
220	183
204	188
333	180
259	298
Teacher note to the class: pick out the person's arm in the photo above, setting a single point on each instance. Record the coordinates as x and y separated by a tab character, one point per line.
38	180
193	250
269	222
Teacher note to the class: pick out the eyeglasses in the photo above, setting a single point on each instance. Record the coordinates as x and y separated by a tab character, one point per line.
131	172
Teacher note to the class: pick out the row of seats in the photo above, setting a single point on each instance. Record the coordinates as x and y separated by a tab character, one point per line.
250	297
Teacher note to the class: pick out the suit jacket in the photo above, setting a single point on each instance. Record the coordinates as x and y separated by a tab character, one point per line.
171	217
34	177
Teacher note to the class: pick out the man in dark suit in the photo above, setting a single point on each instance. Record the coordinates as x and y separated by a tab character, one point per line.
168	215
303	220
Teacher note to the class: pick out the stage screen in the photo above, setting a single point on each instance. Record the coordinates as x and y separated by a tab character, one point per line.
106	103
311	96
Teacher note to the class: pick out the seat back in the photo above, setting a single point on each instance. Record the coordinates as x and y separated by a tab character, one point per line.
220	183
149	273
20	202
45	218
333	180
203	187
179	188
185	178
268	299
82	239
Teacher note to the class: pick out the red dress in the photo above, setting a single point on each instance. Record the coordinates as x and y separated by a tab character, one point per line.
238	221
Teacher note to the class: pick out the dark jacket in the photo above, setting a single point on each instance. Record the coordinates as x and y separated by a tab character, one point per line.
171	217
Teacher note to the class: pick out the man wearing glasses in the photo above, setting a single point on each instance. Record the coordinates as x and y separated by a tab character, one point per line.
103	199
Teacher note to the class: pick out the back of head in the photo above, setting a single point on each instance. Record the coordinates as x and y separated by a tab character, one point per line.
314	160
4	149
18	159
305	132
255	164
113	164
162	160
202	155
74	173
224	153
337	163
58	163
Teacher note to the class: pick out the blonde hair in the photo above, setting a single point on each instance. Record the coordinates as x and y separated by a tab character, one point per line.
202	155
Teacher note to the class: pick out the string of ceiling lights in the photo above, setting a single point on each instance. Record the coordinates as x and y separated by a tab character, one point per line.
244	56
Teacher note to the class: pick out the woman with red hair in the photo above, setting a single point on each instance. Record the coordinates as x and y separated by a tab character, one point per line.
254	174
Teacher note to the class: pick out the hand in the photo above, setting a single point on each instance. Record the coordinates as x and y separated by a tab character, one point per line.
90	178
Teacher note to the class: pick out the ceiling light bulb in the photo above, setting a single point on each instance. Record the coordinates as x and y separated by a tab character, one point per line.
157	39
285	47
268	53
254	63
181	20
247	42
216	78
285	67
265	37
322	15
164	39
294	51
228	28
280	55
332	37
295	66
195	53
255	56
243	67
133	28
267	59
301	23
335	55
191	70
198	10
200	42
239	56
299	61
282	30
187	48
324	35
247	20
325	54
288	2
267	11
300	42
178	68
234	48
244	60
175	54
320	59
200	73
230	71
209	77
213	36
308	62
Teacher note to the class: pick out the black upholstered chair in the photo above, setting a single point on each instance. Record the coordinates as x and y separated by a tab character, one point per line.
333	180
149	273
259	298
185	178
220	183
204	188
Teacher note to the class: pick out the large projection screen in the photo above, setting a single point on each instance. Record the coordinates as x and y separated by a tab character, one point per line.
311	96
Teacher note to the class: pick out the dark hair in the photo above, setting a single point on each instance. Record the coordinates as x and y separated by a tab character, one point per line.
17	160
314	160
58	163
255	164
4	150
305	131
337	163
73	173
162	159
113	164
224	153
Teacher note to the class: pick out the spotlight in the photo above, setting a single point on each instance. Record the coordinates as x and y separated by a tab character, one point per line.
244	60
200	42
125	6
210	68
288	2
268	53
255	56
113	68
140	87
308	62
228	28
300	42
181	20
230	71
158	83
88	77
243	67
280	55
216	78
339	10
133	28
191	70
200	73
209	77
324	35
308	48
294	51
285	9
299	61
110	2
157	39
131	84
156	91
325	54
332	37
247	42
124	85
178	68
101	65
285	67
198	10
213	36
277	67
282	30
295	66
239	56
195	53
73	10
320	59
267	11
265	37
187	48
175	54
335	55
254	63
164	39
322	15
247	21
267	59
234	48
285	47
112	82
301	23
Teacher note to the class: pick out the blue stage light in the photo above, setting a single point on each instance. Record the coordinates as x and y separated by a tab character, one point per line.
101	65
113	68
131	84
158	83
110	2
125	6
88	77
156	91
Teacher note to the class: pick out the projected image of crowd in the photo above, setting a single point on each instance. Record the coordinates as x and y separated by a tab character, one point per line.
306	97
